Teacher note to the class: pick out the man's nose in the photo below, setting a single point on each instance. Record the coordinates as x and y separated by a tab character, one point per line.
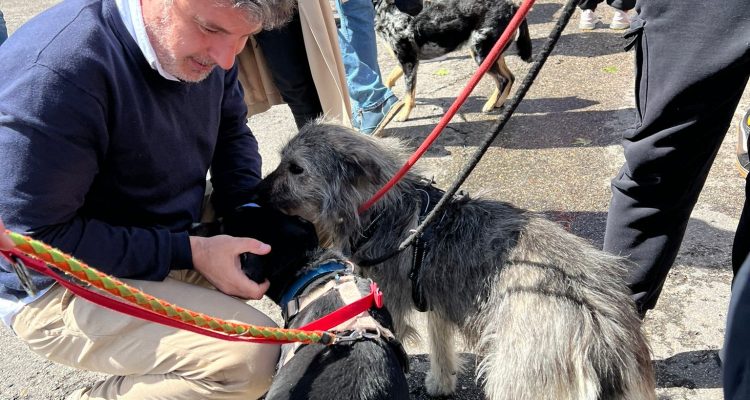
224	51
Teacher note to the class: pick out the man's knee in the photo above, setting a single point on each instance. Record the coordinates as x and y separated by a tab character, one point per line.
248	369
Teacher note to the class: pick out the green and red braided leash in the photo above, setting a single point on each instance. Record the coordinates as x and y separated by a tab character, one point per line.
36	250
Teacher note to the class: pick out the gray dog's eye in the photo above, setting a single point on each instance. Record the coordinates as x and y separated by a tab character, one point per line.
295	169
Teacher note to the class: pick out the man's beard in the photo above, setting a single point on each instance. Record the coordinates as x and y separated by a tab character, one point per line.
161	31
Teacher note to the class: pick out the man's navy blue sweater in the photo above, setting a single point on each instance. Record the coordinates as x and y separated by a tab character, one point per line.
101	156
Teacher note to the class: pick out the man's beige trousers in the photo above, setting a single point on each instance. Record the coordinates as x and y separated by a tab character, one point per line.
148	360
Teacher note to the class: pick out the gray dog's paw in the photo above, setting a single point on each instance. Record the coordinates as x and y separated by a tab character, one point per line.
440	383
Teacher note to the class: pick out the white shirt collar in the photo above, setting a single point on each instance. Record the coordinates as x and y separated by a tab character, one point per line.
132	17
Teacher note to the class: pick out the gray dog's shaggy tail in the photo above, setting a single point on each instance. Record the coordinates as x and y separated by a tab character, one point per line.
561	318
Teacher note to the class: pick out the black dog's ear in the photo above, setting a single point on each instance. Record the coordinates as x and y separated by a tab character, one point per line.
293	240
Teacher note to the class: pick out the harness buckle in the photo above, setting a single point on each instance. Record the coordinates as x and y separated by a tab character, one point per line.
377	295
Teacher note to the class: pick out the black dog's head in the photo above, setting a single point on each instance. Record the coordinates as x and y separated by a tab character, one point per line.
293	245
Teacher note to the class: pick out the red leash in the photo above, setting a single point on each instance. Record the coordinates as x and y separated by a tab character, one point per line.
499	46
374	299
347	312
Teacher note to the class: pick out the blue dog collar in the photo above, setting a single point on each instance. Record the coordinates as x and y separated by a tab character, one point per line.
300	284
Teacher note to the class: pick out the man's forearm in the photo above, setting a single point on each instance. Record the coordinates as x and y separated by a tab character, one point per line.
125	252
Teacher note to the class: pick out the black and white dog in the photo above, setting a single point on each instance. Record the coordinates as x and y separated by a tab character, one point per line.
443	26
309	283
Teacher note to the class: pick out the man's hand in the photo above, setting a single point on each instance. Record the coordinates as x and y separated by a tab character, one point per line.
217	259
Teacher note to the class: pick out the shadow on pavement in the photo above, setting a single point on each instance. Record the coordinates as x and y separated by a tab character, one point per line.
600	42
692	370
527	129
697	369
466	387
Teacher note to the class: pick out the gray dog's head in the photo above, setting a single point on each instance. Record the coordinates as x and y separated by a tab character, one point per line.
326	172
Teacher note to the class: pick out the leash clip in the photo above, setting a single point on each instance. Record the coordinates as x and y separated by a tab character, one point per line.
356	335
19	267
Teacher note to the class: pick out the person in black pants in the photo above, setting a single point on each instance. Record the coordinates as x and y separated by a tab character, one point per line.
691	70
284	50
620	19
736	365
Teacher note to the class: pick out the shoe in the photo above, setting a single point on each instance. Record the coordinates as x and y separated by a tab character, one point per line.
743	161
588	20
620	21
372	122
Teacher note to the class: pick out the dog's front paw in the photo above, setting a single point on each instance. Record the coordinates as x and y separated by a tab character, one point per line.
403	115
492	101
488	106
440	383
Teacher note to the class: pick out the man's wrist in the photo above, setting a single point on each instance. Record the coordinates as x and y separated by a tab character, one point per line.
182	251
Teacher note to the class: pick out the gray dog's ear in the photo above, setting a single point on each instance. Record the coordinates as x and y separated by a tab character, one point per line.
364	167
373	162
364	170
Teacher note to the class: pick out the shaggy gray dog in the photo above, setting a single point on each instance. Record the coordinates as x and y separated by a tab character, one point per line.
548	315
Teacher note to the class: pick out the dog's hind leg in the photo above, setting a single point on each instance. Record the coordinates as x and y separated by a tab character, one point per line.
444	362
395	73
503	82
410	79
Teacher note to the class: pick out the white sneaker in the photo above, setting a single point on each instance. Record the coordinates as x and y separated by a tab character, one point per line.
620	21
588	20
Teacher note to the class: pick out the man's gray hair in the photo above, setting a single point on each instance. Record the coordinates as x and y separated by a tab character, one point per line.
271	13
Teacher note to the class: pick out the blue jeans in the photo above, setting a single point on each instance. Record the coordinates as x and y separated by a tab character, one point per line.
3	29
360	55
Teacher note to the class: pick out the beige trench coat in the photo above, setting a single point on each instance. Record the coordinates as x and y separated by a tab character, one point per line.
326	65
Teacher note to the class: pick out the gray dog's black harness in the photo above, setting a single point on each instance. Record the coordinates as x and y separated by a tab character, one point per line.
421	245
430	195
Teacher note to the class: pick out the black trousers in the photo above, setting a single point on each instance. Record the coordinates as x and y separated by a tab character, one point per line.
622	5
736	365
692	65
284	50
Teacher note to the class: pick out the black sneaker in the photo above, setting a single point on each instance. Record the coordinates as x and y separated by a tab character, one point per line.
743	161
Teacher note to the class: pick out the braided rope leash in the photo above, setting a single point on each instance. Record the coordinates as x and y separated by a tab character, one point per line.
75	268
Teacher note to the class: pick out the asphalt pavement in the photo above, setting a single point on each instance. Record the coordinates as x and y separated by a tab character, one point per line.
556	155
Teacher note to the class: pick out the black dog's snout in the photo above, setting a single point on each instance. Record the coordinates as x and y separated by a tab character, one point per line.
292	240
262	192
252	267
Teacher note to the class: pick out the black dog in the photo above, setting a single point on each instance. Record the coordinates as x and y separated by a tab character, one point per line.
309	283
442	27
